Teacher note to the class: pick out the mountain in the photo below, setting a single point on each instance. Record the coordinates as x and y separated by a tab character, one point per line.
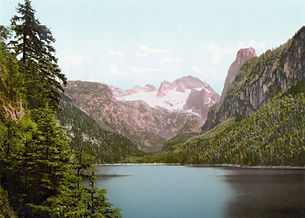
272	135
94	137
187	94
261	78
147	116
261	120
242	56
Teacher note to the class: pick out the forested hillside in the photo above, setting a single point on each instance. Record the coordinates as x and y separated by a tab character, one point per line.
40	176
260	79
93	137
273	135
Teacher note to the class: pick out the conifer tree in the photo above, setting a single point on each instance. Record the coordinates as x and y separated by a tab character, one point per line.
33	43
5	34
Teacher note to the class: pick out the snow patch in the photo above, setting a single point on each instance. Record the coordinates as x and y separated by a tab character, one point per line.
173	100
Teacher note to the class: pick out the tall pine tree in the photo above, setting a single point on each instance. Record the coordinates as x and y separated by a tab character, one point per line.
33	44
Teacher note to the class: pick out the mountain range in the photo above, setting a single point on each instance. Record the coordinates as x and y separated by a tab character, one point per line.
146	115
169	118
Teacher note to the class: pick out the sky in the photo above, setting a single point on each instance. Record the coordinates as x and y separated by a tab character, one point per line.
136	42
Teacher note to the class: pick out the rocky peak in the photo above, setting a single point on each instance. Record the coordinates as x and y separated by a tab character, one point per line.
164	87
245	54
261	79
150	87
181	84
189	82
242	56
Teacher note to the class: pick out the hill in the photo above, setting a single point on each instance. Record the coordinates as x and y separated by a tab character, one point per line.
94	137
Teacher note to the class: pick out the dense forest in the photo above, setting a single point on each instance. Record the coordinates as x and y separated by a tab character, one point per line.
40	175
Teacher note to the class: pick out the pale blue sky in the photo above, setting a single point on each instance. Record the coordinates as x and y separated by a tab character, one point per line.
135	42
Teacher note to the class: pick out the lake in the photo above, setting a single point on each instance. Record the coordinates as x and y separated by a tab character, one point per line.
162	191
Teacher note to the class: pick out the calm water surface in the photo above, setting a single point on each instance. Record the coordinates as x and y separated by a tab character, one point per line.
160	191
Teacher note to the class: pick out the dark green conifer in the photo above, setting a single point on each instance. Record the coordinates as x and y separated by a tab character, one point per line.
33	43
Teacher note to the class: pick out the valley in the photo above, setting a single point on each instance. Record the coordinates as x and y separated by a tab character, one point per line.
124	97
147	116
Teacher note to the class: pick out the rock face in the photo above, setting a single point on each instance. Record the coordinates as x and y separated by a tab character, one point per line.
187	94
201	101
93	136
261	78
145	122
242	56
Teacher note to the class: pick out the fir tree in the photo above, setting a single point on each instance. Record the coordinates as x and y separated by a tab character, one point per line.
33	42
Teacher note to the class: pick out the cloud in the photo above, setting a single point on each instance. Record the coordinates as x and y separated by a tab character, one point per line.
145	51
197	70
209	74
116	53
71	60
116	70
136	70
257	45
218	52
170	60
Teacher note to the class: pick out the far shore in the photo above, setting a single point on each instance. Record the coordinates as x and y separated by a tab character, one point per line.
209	165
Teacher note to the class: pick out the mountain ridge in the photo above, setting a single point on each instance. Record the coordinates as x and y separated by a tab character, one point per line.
148	127
260	78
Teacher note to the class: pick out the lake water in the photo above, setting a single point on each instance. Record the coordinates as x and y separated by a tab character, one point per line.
160	191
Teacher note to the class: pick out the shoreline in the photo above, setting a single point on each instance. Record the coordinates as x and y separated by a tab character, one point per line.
210	166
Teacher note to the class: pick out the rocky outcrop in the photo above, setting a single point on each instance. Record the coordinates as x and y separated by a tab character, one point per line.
242	56
148	127
201	101
261	78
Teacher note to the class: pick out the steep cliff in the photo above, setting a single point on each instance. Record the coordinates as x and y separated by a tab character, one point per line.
261	78
242	56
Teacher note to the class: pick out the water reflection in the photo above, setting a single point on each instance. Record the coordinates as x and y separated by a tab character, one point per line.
266	193
195	192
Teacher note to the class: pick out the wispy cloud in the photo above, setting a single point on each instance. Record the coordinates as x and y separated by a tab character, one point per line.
116	53
71	60
136	70
170	60
208	74
114	69
218	52
197	70
257	45
145	51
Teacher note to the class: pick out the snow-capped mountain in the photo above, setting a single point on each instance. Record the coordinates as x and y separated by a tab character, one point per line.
179	95
146	115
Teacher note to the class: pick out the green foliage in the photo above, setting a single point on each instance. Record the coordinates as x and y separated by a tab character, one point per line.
260	79
33	41
299	87
273	135
38	166
94	138
5	34
5	209
254	68
11	81
172	144
96	200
